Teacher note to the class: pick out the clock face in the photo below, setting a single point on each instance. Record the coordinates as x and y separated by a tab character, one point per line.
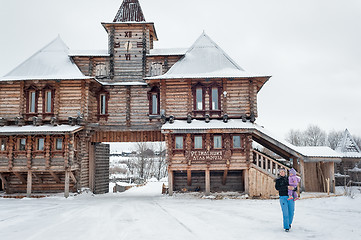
128	45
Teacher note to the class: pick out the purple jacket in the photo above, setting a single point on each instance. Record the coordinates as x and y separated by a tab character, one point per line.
293	179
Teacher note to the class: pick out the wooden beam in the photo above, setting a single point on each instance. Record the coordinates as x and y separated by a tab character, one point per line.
73	177
38	178
22	179
189	177
224	179
57	179
29	184
208	182
3	181
66	187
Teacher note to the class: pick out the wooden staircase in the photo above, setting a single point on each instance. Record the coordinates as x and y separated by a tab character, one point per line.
267	164
262	173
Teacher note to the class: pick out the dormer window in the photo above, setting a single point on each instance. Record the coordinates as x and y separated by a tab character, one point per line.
156	69
101	70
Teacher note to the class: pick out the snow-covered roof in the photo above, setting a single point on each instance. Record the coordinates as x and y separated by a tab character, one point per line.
205	59
49	63
45	129
347	146
167	52
317	151
308	153
92	53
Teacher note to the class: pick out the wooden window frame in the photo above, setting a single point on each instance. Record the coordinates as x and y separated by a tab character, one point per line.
55	149
154	91
3	140
18	144
219	88
217	135
240	143
28	91
46	89
194	142
36	144
99	115
194	91
175	143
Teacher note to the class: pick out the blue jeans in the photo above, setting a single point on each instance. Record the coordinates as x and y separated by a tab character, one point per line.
288	209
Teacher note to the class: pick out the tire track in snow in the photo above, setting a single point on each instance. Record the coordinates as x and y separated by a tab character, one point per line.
177	220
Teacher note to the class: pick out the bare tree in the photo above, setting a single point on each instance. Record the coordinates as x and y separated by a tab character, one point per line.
296	137
161	164
333	138
315	136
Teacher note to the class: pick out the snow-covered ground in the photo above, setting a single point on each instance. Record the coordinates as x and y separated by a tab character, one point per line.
143	213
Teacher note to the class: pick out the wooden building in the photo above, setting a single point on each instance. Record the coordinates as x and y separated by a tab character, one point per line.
58	107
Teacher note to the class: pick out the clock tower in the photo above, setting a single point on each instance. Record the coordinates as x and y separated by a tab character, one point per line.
130	38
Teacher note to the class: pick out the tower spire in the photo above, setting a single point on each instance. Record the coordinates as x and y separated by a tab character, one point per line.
130	11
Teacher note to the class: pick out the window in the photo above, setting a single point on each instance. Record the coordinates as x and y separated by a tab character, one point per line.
217	142
58	144
198	142
101	70
2	144
22	144
48	101
31	100
40	144
179	142
103	99
215	99
154	101
199	99
237	141
156	69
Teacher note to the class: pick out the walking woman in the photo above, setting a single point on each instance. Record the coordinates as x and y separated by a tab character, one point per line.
288	206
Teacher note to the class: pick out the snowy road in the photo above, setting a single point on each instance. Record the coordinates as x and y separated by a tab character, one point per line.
143	213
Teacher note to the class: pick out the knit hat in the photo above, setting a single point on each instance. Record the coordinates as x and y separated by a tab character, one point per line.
293	171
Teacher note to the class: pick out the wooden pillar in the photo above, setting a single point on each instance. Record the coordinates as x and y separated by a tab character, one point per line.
208	182
189	177
91	166
302	172
170	182
29	184
246	181
67	180
332	177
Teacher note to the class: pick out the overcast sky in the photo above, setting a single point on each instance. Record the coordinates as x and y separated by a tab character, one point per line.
311	48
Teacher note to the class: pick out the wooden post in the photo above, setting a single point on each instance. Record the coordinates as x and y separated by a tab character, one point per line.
224	178
328	185
208	182
189	177
170	182
246	181
29	184
302	172
67	180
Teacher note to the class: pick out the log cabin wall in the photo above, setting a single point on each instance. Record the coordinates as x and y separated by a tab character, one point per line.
177	97
10	97
88	65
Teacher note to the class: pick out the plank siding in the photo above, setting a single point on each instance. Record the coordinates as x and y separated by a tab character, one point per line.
10	96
